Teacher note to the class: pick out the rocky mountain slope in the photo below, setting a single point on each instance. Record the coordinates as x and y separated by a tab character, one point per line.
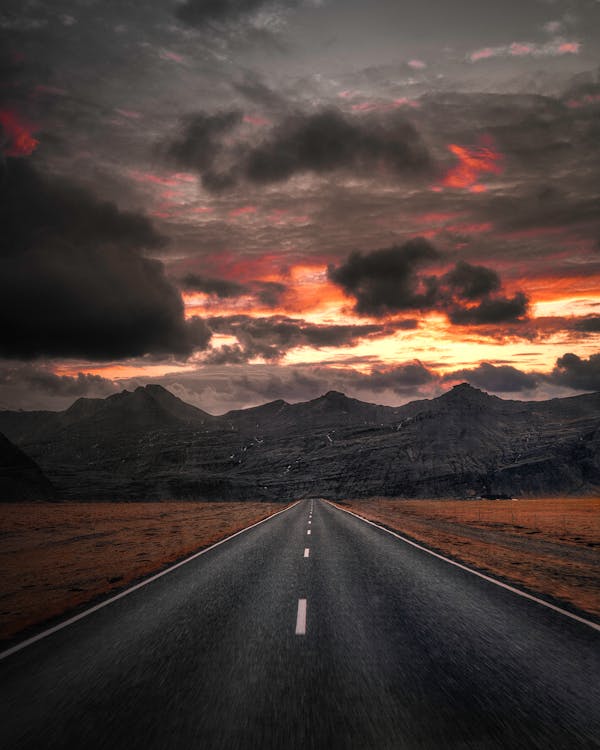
20	477
151	445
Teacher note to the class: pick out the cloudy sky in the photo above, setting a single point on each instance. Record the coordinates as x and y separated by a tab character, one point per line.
246	200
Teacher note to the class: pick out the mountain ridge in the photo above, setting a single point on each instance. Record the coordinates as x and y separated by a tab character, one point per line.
149	444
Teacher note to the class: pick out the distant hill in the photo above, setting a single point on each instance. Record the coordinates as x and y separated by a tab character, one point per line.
148	444
20	477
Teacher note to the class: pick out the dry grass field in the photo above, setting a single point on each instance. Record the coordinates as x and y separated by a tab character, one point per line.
550	546
55	557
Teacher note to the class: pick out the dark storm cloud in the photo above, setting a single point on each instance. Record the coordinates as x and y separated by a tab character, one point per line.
388	281
590	324
222	288
196	335
328	140
497	378
267	293
491	310
42	379
318	143
400	379
201	13
229	354
270	338
35	386
574	372
200	145
39	208
471	282
340	335
73	281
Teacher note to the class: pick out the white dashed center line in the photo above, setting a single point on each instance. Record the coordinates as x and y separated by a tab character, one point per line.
306	552
308	532
301	617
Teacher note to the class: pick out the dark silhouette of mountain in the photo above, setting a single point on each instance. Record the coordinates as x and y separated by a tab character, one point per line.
151	445
146	408
20	477
332	410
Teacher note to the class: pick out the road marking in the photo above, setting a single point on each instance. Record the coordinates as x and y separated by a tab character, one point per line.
485	577
306	552
301	617
141	584
309	521
308	532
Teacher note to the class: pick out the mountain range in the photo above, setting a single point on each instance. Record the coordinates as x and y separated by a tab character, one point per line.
150	445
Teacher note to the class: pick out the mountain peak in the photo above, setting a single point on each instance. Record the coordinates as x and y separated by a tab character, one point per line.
466	393
334	400
466	388
156	389
335	396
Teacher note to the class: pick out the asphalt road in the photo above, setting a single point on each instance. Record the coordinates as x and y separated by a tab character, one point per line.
366	643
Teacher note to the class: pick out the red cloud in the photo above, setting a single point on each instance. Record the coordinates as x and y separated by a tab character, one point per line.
585	100
243	211
256	120
483	54
173	180
166	54
472	161
553	48
381	106
16	139
519	49
569	48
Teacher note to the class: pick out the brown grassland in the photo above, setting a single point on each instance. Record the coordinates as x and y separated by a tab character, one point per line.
56	557
550	546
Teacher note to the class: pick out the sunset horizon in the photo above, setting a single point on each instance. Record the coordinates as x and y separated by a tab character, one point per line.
240	207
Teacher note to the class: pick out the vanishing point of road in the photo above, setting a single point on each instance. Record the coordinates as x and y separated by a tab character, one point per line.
310	630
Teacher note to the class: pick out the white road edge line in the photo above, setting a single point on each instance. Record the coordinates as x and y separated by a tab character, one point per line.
306	552
145	582
301	617
485	577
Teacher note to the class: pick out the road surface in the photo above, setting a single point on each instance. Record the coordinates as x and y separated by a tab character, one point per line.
310	630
